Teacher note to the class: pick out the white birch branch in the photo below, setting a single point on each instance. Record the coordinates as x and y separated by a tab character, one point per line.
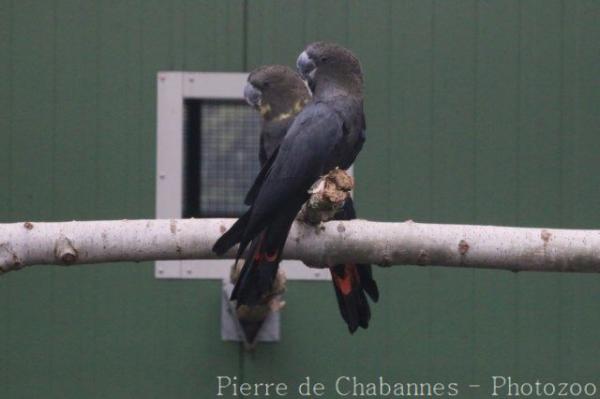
407	243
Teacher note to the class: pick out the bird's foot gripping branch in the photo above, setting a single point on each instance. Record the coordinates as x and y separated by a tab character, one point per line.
327	197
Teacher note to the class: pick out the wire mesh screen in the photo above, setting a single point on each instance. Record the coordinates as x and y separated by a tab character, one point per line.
222	140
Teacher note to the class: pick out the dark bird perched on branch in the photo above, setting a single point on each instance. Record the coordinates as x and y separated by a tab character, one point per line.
279	94
328	133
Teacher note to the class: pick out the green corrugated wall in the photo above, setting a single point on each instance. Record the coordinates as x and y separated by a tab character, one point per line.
477	112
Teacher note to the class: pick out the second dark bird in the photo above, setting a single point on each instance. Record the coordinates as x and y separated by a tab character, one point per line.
315	136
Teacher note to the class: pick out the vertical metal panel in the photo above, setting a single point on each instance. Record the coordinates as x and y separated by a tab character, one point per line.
213	36
571	338
161	334
373	187
6	177
328	20
454	27
5	107
476	111
32	96
274	32
117	49
539	181
410	174
496	137
74	157
582	185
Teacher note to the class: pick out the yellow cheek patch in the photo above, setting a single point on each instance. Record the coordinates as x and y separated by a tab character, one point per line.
298	105
264	110
283	116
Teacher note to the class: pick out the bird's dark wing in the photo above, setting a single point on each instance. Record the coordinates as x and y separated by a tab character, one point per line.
284	181
300	161
272	134
262	152
264	172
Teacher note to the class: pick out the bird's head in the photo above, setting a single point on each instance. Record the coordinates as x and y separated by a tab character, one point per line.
325	64
277	91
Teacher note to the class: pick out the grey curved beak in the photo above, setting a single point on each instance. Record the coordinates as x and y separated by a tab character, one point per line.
252	95
305	65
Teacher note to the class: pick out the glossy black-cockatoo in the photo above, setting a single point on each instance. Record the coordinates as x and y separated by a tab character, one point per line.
279	94
327	133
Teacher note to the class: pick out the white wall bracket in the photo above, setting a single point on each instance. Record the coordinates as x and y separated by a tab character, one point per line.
231	329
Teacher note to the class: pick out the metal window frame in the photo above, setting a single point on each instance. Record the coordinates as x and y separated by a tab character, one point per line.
173	88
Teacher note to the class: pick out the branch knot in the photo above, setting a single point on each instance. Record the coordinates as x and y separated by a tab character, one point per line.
64	251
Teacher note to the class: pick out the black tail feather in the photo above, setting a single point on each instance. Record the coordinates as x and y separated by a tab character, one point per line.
262	262
351	298
232	236
257	276
369	285
353	304
244	271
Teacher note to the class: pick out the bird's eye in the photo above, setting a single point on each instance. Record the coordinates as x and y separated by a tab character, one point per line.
324	59
266	84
